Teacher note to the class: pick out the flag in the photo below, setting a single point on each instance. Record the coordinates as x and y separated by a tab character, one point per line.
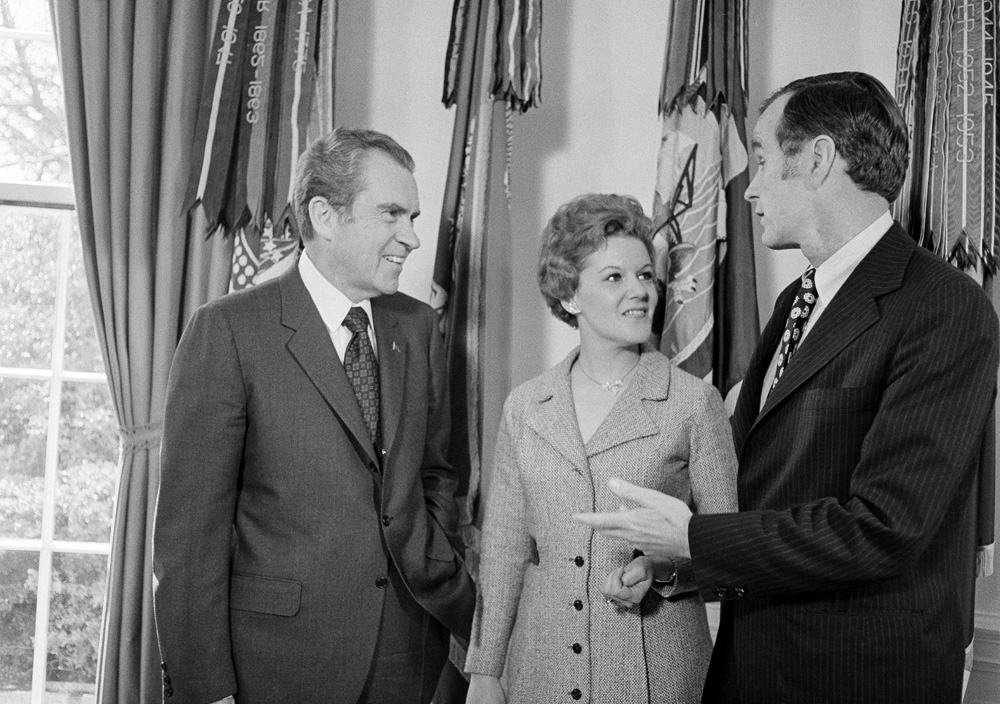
707	319
493	60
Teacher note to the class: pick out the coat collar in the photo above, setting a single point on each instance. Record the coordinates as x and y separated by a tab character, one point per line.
852	311
552	413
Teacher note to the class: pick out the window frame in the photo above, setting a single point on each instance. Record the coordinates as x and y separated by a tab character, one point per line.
51	197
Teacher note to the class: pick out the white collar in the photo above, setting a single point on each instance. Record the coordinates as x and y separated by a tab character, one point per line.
834	272
332	304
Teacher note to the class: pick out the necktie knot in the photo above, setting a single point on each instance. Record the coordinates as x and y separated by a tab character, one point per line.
808	279
356	320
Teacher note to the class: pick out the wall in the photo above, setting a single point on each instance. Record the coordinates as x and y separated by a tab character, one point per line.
597	130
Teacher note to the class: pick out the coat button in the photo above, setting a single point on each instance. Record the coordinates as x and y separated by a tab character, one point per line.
168	692
579	561
577	648
578	605
576	694
381	582
721	592
386	520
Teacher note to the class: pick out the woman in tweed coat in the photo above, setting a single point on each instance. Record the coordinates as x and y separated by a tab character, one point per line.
543	631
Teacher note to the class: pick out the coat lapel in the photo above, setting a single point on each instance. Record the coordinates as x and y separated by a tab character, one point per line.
553	416
748	403
392	355
309	343
628	419
853	310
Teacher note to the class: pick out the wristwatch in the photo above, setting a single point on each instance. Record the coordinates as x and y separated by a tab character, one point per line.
671	579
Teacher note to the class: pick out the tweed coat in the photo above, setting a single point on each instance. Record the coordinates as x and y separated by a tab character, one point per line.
848	574
275	514
541	621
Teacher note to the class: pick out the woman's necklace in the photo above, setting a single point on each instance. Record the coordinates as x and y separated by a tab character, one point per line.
612	387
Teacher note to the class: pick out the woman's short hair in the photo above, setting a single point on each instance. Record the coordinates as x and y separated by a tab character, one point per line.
578	229
332	167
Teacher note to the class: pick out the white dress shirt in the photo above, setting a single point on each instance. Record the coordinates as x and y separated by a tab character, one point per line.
333	306
830	277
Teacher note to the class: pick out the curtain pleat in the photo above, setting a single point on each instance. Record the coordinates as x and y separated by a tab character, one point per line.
132	71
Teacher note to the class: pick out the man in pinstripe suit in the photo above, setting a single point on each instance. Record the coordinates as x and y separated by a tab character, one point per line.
847	575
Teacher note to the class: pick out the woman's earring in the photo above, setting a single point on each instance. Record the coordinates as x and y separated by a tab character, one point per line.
571	307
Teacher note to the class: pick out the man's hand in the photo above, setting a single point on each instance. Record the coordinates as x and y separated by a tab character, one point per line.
658	526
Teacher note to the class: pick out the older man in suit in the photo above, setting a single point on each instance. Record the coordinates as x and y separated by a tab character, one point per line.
848	574
305	547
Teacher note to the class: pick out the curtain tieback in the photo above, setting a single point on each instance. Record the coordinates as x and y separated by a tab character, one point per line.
140	437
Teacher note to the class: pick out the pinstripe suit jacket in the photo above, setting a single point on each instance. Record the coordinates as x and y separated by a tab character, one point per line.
849	570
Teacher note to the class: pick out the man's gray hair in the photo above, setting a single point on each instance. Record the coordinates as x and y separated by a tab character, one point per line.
332	167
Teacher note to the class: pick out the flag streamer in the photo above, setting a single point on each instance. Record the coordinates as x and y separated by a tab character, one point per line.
946	87
271	59
517	75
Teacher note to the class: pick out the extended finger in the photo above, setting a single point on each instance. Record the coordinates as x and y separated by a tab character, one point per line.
648	498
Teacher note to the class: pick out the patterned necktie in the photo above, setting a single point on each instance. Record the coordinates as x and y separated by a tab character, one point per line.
802	306
362	369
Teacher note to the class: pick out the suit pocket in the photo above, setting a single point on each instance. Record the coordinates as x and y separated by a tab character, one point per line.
265	595
438	547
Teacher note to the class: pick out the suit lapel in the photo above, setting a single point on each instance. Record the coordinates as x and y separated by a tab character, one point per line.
748	403
392	354
853	310
309	343
628	419
553	416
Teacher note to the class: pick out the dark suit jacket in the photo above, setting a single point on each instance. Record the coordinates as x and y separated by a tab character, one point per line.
268	546
849	569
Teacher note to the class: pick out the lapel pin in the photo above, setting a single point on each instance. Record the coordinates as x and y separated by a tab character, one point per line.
395	347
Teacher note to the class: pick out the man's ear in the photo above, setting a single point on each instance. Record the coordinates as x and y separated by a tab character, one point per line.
822	156
323	217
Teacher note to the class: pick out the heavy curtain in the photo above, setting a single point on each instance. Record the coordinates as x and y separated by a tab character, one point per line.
132	71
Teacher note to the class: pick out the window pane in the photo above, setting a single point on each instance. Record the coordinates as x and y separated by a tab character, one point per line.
18	596
82	352
29	239
33	144
75	624
23	420
88	463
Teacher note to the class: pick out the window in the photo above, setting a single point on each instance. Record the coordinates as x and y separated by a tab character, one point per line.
58	433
